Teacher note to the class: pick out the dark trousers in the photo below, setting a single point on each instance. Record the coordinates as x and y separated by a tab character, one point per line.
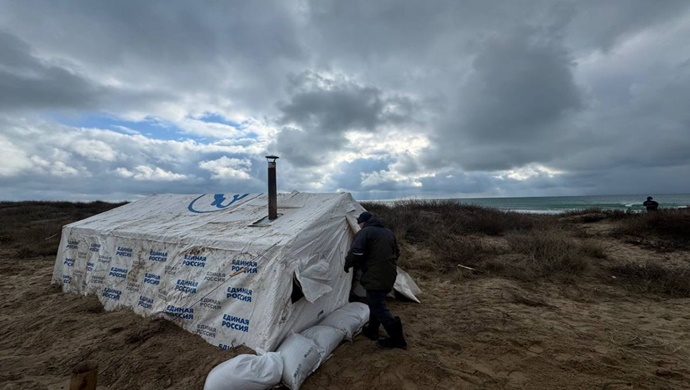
378	312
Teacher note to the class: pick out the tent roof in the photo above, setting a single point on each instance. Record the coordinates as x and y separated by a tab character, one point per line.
219	218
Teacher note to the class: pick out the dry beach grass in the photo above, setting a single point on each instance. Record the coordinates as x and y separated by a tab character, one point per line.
586	300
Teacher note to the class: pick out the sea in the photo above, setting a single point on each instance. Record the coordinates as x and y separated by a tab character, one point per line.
561	204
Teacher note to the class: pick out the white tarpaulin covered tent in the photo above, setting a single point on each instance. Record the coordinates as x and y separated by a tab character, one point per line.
215	264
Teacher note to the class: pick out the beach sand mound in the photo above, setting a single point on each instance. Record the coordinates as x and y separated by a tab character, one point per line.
468	333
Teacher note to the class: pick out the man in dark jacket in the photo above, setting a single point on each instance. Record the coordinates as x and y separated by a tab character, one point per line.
375	252
650	204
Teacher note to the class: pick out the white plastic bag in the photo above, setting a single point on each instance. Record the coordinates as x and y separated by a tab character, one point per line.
300	358
406	286
326	338
247	372
350	318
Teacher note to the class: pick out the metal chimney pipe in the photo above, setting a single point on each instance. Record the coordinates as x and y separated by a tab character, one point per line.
272	193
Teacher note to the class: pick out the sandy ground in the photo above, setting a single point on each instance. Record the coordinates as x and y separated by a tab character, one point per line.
484	333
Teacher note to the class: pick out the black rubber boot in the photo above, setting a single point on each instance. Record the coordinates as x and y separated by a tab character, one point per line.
371	330
396	339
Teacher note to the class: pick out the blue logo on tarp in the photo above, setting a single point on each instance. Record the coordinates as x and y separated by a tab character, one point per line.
219	202
185	313
235	323
112	293
145	302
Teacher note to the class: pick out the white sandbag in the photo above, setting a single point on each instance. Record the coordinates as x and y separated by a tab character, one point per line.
358	308
326	338
350	318
248	372
300	358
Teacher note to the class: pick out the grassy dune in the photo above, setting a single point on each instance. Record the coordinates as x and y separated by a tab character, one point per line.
589	300
530	247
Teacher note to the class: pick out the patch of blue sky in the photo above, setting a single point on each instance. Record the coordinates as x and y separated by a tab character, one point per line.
251	136
211	117
150	127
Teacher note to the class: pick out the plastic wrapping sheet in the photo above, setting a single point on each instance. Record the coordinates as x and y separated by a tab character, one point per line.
205	263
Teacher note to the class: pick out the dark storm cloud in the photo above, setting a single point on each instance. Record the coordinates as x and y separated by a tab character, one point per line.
349	176
508	113
305	148
603	24
238	49
320	110
649	128
519	84
29	83
26	82
335	110
373	30
164	32
335	106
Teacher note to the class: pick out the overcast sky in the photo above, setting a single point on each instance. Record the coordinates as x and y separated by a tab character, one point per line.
113	100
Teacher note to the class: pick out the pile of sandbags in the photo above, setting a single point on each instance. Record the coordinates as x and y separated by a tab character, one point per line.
299	355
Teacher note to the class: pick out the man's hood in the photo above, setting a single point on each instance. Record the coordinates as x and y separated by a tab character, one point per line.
373	221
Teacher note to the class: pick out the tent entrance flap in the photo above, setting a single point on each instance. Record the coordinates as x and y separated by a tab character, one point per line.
316	276
297	292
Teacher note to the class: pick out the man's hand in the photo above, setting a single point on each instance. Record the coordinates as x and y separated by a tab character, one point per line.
350	261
